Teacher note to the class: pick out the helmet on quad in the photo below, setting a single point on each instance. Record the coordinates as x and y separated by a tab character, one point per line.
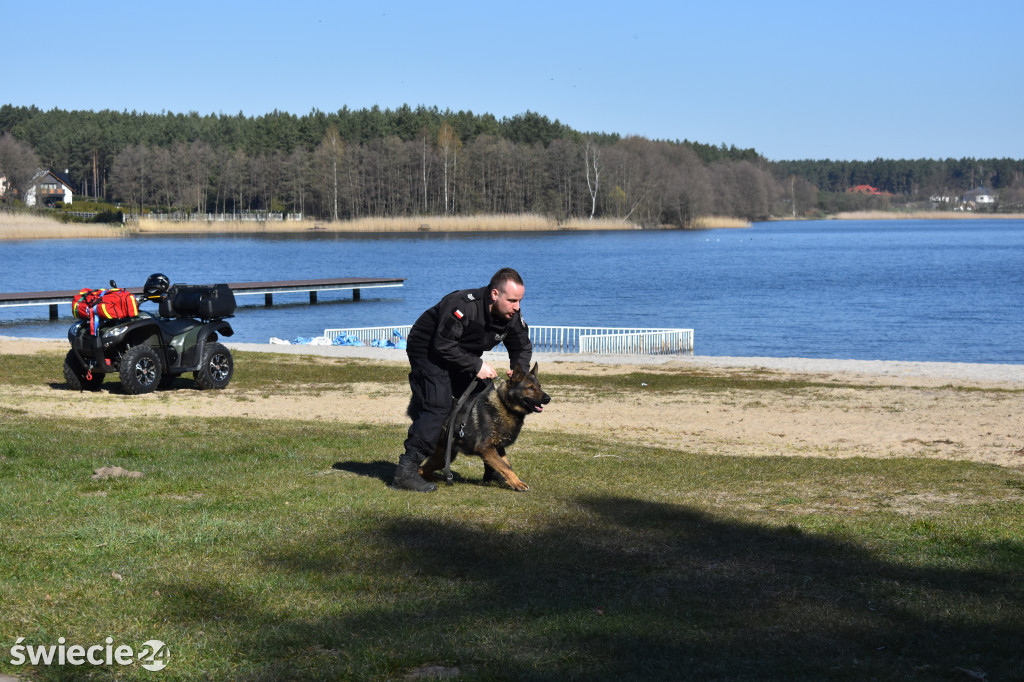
156	286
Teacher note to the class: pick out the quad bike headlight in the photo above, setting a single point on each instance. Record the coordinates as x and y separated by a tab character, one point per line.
114	334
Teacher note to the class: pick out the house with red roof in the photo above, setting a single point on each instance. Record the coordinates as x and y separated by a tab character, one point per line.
867	189
48	188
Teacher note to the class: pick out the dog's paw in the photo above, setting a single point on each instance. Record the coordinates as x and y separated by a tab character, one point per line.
519	486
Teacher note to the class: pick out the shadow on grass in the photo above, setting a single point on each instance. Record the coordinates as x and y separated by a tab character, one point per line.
381	470
112	385
616	588
385	471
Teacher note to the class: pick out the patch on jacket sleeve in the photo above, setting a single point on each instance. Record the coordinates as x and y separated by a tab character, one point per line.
458	313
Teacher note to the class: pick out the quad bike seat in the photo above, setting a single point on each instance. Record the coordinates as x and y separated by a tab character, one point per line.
176	326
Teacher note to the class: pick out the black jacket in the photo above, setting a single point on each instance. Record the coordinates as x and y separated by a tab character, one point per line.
455	333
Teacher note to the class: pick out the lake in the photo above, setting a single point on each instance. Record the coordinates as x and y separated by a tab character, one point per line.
926	290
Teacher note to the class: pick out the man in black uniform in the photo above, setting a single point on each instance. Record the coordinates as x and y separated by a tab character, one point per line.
445	347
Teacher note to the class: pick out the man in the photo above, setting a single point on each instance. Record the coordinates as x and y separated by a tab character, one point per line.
445	347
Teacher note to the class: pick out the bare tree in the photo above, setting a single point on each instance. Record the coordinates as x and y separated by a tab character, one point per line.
423	167
449	144
563	175
295	172
266	179
330	153
192	170
591	156
18	163
234	171
160	175
128	175
639	177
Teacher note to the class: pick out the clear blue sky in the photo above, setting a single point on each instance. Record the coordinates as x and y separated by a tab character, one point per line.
817	79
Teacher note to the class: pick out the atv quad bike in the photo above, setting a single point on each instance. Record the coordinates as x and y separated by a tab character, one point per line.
150	350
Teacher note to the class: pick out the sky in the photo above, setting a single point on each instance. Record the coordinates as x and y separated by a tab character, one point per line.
792	79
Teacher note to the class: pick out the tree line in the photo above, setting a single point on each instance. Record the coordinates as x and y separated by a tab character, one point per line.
425	161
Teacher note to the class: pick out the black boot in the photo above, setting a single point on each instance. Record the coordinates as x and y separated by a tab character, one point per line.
407	475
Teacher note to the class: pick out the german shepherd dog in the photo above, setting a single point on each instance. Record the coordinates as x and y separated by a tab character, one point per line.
489	422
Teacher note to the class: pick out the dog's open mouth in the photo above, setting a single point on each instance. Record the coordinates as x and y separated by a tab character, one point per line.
537	407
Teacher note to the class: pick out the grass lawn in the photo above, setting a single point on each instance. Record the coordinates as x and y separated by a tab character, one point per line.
276	550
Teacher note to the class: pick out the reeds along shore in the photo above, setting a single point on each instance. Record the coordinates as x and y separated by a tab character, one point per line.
22	226
28	226
484	223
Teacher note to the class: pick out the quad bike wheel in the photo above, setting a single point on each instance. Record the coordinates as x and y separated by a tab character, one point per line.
216	369
78	377
140	370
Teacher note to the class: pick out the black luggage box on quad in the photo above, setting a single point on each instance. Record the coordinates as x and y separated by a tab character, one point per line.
206	301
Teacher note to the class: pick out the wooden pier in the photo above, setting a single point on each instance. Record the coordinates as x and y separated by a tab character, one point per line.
267	289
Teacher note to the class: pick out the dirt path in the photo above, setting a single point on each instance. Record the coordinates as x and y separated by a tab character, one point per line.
890	412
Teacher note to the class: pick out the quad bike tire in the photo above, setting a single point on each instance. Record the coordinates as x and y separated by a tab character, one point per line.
140	370
77	376
216	369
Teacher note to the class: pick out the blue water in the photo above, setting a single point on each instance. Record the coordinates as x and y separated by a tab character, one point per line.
890	290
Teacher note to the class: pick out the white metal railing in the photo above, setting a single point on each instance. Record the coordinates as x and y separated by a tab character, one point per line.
564	339
658	342
248	216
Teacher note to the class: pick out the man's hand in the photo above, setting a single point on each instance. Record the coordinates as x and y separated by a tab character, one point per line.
486	372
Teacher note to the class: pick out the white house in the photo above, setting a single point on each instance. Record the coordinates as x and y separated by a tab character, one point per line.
48	188
979	197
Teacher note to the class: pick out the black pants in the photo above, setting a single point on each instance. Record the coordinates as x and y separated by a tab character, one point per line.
432	390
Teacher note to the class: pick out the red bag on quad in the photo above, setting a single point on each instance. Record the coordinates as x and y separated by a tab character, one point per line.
83	302
117	304
106	304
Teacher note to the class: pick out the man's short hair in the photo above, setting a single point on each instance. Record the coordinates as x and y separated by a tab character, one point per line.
504	276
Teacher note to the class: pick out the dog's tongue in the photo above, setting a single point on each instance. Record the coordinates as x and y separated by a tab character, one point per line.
538	408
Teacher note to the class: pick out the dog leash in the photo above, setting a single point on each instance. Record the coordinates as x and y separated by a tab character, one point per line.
451	430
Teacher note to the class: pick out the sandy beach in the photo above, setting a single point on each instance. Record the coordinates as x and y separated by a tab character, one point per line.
855	408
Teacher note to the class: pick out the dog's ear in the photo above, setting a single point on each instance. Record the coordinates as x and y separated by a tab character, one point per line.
534	370
517	374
